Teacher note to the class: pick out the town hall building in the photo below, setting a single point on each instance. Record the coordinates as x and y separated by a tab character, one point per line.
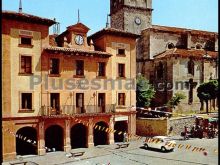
65	91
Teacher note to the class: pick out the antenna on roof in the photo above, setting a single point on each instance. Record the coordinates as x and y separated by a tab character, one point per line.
78	17
107	22
20	7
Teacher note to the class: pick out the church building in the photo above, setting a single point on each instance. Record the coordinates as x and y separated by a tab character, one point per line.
173	59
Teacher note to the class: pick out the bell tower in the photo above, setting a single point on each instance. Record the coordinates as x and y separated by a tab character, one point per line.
131	15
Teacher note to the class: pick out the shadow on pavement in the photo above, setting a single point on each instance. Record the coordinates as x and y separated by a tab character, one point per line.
154	149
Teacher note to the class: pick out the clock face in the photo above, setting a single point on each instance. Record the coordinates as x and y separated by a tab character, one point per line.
79	39
137	20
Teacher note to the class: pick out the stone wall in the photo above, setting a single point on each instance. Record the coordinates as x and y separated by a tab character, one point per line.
117	20
160	40
162	127
178	124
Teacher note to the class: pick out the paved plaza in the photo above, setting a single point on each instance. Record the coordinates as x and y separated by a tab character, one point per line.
135	154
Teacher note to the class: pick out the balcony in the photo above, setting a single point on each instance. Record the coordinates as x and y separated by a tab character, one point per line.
73	110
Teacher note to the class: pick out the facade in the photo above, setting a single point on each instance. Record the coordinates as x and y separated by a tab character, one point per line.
178	60
65	91
131	15
168	56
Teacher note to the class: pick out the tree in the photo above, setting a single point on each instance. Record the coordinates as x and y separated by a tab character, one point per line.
206	92
145	92
175	100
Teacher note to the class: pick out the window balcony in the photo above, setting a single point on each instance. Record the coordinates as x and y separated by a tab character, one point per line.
73	110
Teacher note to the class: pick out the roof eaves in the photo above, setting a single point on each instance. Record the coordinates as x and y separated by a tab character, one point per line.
27	17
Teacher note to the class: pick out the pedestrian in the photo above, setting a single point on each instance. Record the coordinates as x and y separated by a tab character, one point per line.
193	131
200	132
185	132
125	138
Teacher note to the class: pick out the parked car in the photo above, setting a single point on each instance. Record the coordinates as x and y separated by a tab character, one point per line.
163	143
149	113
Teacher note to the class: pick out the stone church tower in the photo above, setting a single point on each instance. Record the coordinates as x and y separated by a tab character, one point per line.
131	15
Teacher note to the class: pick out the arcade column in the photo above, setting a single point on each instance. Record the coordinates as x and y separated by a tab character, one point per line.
67	143
41	139
90	134
111	134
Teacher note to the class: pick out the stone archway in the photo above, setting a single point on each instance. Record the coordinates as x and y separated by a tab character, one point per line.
120	126
100	136
54	138
79	136
25	141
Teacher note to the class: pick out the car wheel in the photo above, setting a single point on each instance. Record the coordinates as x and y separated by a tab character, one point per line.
145	146
172	150
163	149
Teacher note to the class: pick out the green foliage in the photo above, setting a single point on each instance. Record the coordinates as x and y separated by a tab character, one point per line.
208	90
175	100
145	92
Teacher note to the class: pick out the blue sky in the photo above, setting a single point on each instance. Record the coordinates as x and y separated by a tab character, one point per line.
193	14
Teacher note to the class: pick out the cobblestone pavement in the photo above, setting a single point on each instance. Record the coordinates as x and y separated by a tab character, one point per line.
135	154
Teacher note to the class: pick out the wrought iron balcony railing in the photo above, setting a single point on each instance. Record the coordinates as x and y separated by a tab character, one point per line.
72	109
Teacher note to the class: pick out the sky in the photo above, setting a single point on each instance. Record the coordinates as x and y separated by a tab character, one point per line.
192	14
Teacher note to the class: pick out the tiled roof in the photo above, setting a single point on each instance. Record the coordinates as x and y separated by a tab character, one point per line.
185	53
27	17
75	52
113	31
180	30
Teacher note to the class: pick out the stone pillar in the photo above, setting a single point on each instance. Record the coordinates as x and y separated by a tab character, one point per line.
189	40
67	144
149	4
8	141
111	134
132	125
216	43
90	134
41	139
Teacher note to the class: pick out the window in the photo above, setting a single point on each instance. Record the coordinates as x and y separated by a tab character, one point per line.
79	99
26	40
121	51
79	67
121	70
101	69
191	67
190	91
25	64
54	66
170	46
121	99
80	102
26	100
160	71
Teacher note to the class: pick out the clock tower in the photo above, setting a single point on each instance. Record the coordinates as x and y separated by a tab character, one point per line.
131	15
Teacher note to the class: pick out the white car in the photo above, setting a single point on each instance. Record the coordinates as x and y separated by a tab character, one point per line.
163	143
